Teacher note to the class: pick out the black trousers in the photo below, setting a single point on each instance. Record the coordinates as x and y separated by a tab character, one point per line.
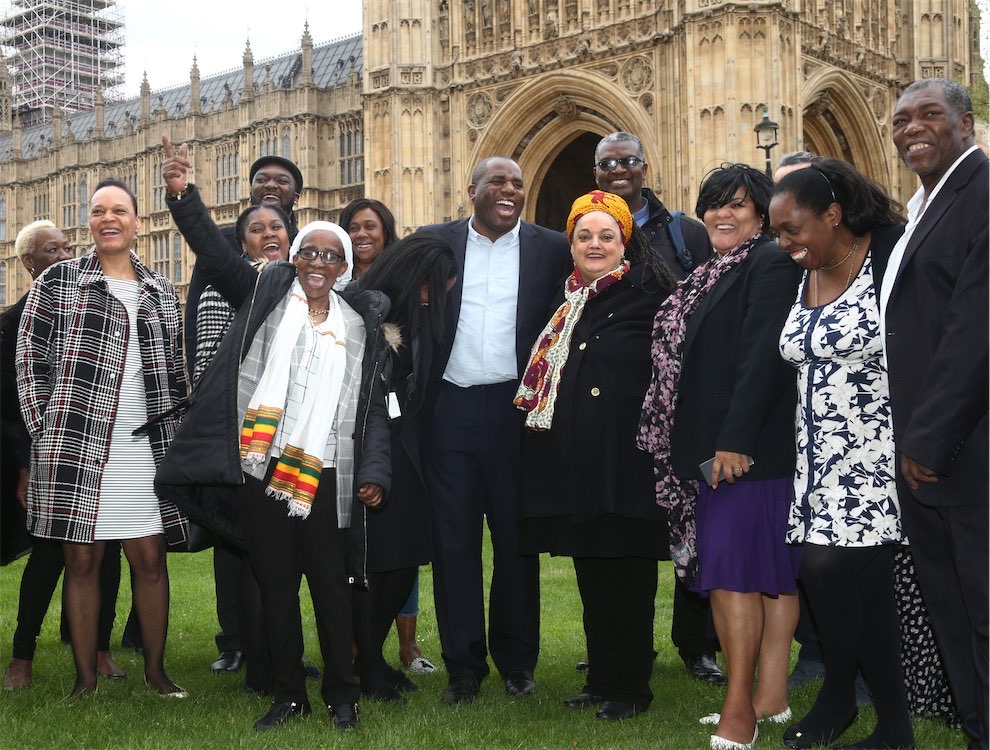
227	562
618	596
374	612
691	628
949	546
38	582
472	464
281	549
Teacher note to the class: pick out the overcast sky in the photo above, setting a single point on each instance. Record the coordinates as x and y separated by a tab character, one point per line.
163	35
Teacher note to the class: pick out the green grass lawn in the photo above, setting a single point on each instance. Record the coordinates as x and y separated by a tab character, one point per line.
218	714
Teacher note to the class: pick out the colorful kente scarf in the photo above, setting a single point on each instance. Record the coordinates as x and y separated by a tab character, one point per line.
297	473
675	494
538	390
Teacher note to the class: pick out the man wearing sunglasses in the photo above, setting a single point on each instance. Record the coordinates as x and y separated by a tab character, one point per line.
620	168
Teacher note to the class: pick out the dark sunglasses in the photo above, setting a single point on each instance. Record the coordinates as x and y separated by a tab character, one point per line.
329	256
607	165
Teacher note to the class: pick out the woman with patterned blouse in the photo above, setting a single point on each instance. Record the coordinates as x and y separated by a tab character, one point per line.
841	228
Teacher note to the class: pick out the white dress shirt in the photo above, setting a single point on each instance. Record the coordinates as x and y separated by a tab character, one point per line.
916	209
484	350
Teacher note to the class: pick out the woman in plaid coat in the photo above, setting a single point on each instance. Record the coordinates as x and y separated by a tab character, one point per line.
99	355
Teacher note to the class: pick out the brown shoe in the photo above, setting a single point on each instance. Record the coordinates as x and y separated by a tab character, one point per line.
17	675
107	667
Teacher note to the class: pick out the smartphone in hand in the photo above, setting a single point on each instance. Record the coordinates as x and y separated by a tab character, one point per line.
706	469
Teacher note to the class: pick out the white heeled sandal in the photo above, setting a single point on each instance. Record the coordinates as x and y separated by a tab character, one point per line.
782	718
720	743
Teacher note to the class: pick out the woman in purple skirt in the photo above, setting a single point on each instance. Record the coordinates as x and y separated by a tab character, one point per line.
720	391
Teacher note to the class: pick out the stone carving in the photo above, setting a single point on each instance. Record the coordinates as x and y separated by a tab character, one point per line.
565	108
637	75
479	110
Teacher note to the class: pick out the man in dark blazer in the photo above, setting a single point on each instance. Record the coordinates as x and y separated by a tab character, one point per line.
621	168
935	294
508	273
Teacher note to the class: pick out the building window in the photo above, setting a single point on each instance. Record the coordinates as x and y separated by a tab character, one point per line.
41	203
177	258
268	143
3	282
83	201
157	189
159	254
287	143
226	167
351	153
68	204
3	218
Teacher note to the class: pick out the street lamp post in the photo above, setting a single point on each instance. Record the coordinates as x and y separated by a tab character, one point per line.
766	137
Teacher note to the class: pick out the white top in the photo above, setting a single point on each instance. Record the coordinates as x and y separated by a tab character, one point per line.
916	209
128	506
484	350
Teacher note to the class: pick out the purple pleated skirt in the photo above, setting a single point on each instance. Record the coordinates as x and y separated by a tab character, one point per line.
741	532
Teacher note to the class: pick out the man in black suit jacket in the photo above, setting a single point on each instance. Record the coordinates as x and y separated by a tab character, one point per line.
508	273
935	293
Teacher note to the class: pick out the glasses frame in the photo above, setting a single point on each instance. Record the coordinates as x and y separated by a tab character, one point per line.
628	162
327	256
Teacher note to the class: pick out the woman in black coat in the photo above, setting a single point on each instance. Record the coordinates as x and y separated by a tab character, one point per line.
587	491
415	273
296	379
720	392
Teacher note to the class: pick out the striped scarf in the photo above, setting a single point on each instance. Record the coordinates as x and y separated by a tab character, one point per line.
297	473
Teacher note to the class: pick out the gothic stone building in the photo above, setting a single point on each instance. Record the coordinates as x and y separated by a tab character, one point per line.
404	111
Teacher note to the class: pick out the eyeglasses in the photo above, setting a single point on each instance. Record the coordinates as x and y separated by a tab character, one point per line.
607	165
329	256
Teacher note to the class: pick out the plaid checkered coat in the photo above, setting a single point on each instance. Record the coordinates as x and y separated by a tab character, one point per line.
71	348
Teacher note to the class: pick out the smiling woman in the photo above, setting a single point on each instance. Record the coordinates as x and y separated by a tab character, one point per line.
720	390
103	330
282	464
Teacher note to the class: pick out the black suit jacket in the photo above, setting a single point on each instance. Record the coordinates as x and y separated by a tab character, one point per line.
735	392
937	334
544	263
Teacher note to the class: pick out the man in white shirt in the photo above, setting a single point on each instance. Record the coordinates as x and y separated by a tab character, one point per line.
509	272
935	301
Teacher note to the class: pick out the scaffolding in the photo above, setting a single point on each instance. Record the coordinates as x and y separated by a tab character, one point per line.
60	53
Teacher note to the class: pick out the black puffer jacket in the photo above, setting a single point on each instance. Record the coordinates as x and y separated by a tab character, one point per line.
202	472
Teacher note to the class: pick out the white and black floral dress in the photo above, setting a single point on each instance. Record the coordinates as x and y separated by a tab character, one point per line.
844	480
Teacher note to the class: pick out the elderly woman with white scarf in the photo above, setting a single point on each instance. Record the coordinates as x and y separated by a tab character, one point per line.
286	442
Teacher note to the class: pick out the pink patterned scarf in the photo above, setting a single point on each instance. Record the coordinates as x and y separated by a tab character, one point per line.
675	494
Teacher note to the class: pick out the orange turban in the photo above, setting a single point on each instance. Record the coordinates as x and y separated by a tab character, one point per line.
599	200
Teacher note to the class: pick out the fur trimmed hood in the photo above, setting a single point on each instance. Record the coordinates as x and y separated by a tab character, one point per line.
393	336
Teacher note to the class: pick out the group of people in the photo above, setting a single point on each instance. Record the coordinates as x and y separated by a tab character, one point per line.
776	397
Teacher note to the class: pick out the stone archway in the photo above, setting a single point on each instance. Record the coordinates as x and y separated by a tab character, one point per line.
838	122
549	121
568	176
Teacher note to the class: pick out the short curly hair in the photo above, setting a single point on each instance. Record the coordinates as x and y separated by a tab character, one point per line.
28	236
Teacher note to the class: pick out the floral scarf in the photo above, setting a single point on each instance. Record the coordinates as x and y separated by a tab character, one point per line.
538	390
675	494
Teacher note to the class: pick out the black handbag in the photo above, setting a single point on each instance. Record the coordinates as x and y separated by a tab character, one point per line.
199	538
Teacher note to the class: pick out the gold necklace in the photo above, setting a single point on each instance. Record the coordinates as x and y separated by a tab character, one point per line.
318	313
849	274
